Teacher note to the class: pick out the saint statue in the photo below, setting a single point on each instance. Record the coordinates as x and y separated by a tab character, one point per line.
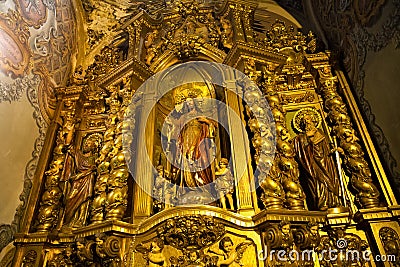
193	134
313	153
81	182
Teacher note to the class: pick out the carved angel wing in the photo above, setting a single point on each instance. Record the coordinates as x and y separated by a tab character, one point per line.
241	248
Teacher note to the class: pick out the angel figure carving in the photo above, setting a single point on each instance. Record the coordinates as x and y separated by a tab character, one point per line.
230	255
154	254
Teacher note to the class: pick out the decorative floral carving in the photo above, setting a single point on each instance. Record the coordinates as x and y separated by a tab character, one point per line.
186	35
103	62
342	242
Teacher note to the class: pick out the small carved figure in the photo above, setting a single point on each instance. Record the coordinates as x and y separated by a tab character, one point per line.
224	183
78	78
149	44
194	259
287	236
156	257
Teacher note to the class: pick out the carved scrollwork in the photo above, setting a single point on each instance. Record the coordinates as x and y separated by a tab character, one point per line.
104	249
307	237
6	235
279	236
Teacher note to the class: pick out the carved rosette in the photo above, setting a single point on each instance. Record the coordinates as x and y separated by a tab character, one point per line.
367	193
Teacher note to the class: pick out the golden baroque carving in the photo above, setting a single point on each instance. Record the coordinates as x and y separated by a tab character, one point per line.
283	178
391	243
281	37
367	193
51	199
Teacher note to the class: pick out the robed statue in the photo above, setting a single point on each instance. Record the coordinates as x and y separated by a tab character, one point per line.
193	152
313	152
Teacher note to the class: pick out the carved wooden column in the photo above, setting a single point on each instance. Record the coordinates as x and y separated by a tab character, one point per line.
245	186
144	157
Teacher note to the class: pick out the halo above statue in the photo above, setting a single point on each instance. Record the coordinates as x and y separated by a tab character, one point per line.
298	117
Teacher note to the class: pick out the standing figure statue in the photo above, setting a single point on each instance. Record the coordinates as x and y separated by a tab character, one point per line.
224	183
193	152
314	155
81	182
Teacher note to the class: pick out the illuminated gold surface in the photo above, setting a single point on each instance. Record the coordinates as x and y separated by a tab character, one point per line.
120	225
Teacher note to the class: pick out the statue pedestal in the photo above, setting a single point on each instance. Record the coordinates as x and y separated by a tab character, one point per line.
196	197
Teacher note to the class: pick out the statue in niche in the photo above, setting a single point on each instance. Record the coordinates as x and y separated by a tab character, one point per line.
224	184
81	182
193	152
313	152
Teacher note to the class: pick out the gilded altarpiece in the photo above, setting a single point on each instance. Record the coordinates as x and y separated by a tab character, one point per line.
312	182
